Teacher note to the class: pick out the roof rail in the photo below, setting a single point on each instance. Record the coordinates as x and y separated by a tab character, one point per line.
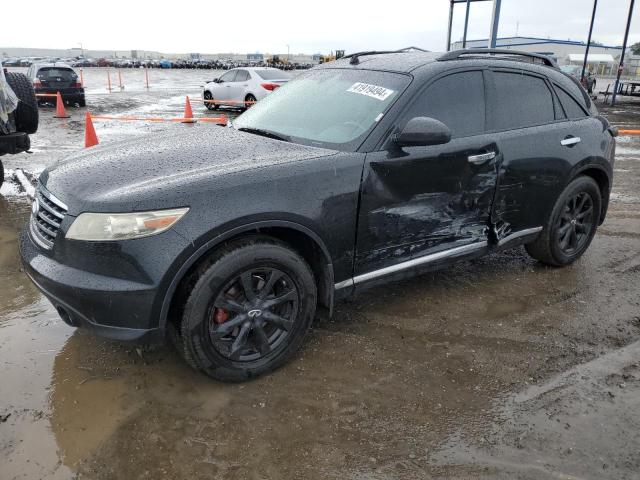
456	54
354	56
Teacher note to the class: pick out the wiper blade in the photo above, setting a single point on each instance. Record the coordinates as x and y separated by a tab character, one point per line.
265	133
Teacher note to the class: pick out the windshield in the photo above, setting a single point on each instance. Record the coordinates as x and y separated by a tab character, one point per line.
326	108
272	74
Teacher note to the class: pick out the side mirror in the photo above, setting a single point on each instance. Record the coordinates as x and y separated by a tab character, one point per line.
423	131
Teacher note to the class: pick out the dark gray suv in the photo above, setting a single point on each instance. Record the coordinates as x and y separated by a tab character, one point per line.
371	168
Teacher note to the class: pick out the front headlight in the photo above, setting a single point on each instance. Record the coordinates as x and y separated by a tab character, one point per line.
104	227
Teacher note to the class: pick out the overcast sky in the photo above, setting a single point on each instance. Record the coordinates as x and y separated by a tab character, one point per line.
306	26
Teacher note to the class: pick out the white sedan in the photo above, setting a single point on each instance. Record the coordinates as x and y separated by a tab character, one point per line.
241	87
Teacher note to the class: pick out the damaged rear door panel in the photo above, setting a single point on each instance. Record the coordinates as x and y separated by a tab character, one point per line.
419	200
530	131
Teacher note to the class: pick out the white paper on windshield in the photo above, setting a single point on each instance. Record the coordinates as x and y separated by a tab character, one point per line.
373	91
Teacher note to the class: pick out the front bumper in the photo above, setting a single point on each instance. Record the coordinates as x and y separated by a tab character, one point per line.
96	302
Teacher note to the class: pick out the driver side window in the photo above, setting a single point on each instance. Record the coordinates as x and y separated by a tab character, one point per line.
457	100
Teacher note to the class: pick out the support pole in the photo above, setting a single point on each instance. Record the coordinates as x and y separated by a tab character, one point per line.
624	47
586	53
451	4
466	25
495	20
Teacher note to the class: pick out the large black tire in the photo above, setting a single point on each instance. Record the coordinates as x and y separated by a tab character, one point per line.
26	115
1	174
252	333
550	247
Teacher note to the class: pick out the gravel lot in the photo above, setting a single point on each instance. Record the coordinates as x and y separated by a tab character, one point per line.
496	368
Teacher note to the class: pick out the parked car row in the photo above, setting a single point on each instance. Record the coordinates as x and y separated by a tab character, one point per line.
156	63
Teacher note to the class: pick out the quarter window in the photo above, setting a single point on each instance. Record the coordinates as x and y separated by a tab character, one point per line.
456	100
571	107
521	101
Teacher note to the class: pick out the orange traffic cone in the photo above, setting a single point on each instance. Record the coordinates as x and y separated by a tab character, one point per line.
60	111
222	120
188	113
90	137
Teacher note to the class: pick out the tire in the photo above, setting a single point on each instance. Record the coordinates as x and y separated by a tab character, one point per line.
26	115
210	106
82	102
250	307
249	98
1	174
555	245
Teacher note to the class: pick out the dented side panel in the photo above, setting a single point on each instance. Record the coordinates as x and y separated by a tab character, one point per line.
420	200
534	171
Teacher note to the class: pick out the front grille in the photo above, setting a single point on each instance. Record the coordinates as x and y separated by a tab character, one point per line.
46	217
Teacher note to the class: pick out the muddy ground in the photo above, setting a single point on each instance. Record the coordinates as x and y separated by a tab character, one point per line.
494	369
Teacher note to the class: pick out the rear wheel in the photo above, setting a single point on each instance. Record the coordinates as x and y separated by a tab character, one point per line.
248	311
26	114
571	225
1	174
250	100
210	105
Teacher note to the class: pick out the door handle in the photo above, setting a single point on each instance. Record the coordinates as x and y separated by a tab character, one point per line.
567	142
481	158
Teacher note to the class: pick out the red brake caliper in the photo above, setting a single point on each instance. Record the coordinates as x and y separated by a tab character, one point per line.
220	315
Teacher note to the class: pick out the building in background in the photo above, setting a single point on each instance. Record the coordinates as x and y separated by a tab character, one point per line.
602	59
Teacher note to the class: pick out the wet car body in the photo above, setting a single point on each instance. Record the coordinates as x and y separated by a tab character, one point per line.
363	214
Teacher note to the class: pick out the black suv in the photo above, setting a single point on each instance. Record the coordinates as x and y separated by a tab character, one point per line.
370	168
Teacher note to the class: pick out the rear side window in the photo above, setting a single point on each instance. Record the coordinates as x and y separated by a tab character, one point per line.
242	76
521	101
229	76
571	107
456	100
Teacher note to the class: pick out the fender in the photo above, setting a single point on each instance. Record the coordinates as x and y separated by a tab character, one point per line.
212	243
606	169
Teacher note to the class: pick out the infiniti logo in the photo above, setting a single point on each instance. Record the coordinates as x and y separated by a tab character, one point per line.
254	313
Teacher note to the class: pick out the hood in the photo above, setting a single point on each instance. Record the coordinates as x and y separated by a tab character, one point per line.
157	167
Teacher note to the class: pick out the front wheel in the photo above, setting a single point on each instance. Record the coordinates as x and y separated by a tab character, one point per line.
209	103
249	310
571	225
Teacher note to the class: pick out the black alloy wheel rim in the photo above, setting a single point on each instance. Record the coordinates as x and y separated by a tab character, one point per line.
575	223
253	314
